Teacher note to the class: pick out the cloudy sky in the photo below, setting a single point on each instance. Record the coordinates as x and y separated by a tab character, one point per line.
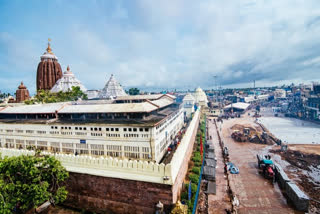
163	44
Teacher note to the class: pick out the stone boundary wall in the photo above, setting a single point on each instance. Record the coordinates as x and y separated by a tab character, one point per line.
293	192
184	146
180	160
112	195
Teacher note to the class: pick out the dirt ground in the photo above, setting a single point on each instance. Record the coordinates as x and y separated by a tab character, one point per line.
306	148
62	210
300	163
255	193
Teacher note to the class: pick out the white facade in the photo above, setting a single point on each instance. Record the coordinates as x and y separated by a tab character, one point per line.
123	168
188	105
92	94
67	81
201	97
130	141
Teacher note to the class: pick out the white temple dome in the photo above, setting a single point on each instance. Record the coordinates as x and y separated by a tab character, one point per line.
188	97
200	97
66	82
112	89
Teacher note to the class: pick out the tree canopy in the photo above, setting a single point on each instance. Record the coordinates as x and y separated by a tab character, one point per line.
29	181
44	96
134	91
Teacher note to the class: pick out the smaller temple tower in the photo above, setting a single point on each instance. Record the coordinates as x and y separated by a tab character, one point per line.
112	89
66	82
22	93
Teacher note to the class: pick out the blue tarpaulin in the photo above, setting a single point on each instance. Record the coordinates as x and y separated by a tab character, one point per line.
232	168
267	161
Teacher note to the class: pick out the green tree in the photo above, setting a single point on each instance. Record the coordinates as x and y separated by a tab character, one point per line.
44	96
29	181
134	91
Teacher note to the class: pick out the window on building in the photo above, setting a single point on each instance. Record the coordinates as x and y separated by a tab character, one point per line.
20	144
82	149
124	129
134	129
117	129
141	129
146	129
55	146
67	148
130	129
97	149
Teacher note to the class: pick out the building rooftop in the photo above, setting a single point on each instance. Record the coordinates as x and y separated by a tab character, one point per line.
33	109
145	97
89	107
110	108
238	105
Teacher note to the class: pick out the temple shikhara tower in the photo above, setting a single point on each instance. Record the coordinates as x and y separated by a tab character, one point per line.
112	89
22	93
49	70
66	82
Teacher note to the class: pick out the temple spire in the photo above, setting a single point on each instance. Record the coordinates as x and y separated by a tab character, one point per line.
49	50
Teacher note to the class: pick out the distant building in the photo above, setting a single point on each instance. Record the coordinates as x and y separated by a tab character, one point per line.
92	94
237	107
66	83
49	70
200	97
312	108
111	90
316	88
280	93
22	93
188	105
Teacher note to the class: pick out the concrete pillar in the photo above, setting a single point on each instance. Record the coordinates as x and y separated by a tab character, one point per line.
89	149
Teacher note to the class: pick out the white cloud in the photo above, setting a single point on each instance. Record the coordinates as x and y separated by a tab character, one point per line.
179	44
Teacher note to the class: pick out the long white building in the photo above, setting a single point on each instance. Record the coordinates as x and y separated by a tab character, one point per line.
133	127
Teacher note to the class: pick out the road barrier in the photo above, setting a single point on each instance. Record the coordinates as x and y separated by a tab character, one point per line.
299	199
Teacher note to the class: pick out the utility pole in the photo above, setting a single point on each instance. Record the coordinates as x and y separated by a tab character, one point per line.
215	86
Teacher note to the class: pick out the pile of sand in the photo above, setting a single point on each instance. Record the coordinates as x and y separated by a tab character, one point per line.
240	127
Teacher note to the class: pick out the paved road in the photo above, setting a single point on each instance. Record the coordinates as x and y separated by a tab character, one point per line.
256	194
221	201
